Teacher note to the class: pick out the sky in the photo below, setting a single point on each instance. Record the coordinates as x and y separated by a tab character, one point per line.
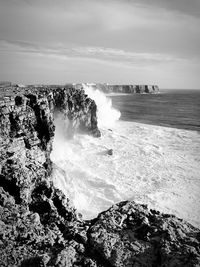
111	41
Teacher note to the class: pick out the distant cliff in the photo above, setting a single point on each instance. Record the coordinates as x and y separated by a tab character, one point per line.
38	224
125	89
104	87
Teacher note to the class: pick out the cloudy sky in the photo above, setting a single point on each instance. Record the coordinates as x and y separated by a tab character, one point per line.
114	41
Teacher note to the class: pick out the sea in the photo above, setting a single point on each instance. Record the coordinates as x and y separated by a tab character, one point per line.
170	108
155	157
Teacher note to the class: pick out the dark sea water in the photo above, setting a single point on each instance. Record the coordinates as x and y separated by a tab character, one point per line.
171	108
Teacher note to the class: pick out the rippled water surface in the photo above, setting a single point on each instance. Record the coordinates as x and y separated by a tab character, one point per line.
173	108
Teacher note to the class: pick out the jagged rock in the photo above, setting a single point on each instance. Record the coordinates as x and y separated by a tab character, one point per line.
35	217
110	152
129	234
39	226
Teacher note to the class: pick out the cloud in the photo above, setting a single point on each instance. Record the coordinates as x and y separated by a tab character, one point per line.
189	7
117	35
99	53
123	56
127	25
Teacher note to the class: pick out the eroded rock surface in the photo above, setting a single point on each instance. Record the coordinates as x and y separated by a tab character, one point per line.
129	234
37	221
39	226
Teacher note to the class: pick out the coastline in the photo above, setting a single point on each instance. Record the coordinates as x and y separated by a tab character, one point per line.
39	224
155	165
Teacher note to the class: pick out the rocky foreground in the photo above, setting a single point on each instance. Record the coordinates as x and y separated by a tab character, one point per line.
38	224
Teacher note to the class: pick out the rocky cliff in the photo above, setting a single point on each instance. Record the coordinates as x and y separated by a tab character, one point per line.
125	89
39	226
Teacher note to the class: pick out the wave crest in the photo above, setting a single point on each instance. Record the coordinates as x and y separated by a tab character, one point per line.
106	114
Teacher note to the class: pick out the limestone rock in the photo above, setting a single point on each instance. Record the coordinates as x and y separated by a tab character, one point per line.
129	234
38	224
125	88
110	152
36	219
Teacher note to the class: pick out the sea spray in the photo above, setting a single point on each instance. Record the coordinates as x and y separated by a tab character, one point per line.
82	171
76	160
106	114
148	166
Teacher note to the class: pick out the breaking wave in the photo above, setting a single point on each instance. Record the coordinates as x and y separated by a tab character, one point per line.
74	160
153	165
106	114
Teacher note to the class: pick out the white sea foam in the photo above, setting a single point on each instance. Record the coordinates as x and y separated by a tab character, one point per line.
106	114
150	164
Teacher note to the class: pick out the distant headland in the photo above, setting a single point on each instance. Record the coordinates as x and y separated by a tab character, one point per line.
104	87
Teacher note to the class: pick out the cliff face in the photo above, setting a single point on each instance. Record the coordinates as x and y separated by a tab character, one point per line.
125	89
77	108
27	130
39	226
32	210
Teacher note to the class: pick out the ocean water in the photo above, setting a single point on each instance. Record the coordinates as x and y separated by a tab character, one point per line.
151	164
173	108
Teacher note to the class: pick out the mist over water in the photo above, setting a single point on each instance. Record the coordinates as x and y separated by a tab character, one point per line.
150	164
76	170
106	114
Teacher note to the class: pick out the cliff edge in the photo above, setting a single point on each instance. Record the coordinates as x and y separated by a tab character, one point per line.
124	88
38	224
